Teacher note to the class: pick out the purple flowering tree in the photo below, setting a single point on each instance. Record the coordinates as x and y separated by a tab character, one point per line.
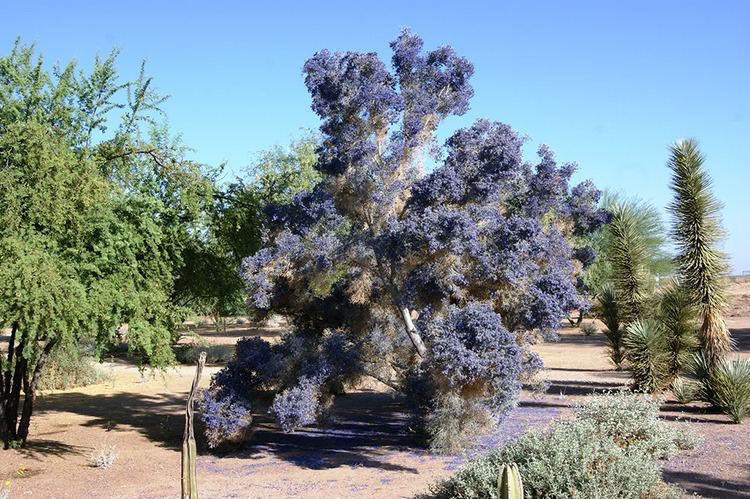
433	283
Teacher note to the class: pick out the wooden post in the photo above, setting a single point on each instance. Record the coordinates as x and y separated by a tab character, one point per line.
189	452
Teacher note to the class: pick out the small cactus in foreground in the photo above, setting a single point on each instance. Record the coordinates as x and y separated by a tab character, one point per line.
509	484
189	449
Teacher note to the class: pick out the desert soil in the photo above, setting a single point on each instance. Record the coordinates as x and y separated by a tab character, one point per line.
366	450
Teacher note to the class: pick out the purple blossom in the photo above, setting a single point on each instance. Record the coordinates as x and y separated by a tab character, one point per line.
226	416
480	246
299	405
471	344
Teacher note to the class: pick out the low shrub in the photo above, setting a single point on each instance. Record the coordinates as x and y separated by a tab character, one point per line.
589	329
299	405
454	423
632	420
104	456
303	380
227	418
609	450
475	366
70	368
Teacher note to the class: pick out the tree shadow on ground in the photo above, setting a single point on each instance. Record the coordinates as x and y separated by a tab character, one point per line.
545	403
741	337
158	417
232	332
579	339
38	449
365	428
708	486
576	387
582	370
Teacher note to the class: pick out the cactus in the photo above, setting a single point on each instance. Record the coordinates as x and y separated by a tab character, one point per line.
509	484
189	451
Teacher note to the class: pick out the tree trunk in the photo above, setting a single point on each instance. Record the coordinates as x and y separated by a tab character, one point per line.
411	330
5	384
11	347
29	392
14	394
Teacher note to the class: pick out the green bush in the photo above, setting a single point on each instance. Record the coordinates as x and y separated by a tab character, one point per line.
609	450
70	368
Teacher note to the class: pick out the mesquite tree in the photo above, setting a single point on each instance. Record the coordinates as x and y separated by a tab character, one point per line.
213	285
94	215
433	283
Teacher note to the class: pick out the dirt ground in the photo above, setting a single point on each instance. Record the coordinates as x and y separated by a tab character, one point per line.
365	451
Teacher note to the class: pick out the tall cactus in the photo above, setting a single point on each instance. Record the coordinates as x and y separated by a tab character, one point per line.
509	484
189	451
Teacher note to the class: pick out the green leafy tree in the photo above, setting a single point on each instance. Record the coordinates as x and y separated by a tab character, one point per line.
697	230
95	214
278	174
211	283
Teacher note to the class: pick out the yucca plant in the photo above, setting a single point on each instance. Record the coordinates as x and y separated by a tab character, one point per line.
677	317
697	230
684	390
634	248
725	384
730	382
645	350
608	314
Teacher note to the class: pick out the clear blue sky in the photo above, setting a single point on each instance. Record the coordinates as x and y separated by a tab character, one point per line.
606	84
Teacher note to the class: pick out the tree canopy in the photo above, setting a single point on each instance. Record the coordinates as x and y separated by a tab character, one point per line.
96	211
433	283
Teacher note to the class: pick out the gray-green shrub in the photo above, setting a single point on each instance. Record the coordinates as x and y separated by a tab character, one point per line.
589	329
609	450
70	368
